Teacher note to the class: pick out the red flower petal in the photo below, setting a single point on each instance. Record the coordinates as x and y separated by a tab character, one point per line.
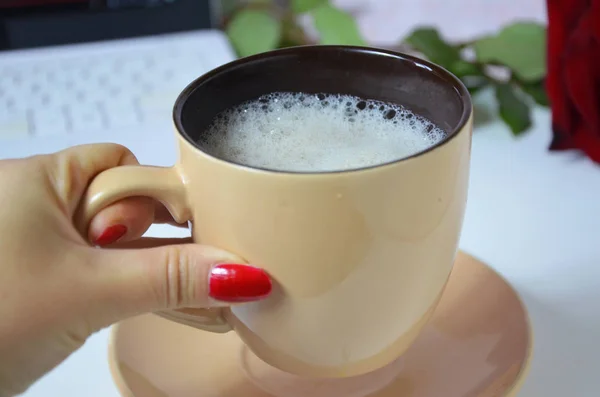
582	75
573	80
561	16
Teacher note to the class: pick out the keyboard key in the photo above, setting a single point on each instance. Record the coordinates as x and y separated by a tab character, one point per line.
13	125
87	118
49	121
17	98
121	114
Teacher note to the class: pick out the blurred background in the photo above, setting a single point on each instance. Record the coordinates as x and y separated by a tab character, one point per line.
79	67
386	21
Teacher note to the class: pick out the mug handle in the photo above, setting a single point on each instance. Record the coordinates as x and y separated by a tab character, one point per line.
164	184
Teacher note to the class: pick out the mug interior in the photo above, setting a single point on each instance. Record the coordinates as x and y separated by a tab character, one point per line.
419	86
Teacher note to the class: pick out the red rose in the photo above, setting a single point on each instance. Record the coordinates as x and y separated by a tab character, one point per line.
573	79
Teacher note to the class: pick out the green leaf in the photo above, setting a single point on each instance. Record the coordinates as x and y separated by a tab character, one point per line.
513	109
302	6
336	26
292	33
253	31
521	47
429	42
463	68
537	91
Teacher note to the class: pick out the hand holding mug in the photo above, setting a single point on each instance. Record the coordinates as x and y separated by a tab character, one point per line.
359	253
56	289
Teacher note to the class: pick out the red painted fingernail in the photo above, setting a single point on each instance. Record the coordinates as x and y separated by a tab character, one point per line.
111	235
230	282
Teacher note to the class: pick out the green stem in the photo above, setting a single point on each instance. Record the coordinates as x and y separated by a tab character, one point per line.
465	44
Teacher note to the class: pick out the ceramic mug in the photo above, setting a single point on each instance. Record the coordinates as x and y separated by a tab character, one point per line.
359	258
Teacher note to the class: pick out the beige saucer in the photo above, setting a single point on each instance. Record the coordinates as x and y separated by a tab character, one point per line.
478	344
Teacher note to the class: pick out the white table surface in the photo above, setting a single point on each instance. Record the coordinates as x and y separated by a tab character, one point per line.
532	215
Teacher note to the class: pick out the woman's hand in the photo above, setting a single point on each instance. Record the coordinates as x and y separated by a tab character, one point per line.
56	288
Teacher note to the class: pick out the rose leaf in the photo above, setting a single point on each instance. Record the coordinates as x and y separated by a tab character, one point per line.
537	91
253	31
513	109
463	68
428	41
520	46
336	26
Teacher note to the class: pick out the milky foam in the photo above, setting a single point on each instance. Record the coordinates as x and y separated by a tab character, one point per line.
300	132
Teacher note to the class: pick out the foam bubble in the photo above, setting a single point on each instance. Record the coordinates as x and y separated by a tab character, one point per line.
301	132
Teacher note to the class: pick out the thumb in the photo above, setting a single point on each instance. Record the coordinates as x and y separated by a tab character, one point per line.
129	282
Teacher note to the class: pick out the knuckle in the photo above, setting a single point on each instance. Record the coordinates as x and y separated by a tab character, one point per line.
67	180
126	156
179	285
70	170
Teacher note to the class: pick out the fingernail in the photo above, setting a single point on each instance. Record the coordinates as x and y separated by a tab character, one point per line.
231	282
111	235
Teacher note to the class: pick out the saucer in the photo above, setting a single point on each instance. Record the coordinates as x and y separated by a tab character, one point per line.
477	344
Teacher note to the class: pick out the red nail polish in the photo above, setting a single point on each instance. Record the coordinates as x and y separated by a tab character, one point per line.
230	282
111	235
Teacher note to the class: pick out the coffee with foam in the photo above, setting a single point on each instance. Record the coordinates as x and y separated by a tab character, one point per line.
300	132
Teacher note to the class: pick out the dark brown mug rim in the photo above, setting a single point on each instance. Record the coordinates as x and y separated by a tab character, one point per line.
448	77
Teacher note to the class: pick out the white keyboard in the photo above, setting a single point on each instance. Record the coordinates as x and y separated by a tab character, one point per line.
90	88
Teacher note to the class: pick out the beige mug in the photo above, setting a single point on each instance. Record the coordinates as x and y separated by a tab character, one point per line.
359	258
